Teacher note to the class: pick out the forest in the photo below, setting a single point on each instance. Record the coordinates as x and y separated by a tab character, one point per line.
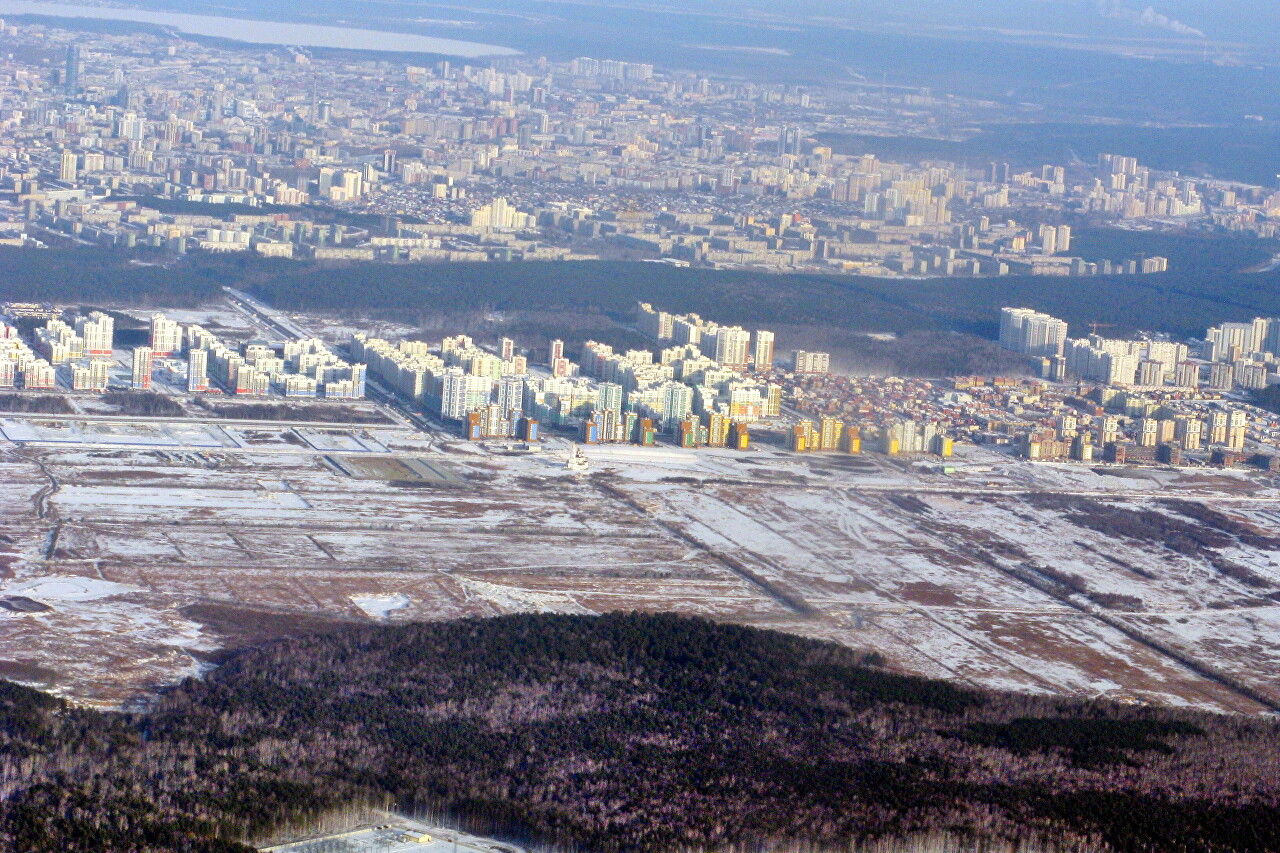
1208	283
293	411
143	404
626	732
35	404
940	322
72	276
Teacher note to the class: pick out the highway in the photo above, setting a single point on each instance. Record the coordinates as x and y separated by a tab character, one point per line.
209	421
268	318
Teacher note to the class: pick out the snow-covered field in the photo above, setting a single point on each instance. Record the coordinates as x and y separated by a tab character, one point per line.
104	433
152	558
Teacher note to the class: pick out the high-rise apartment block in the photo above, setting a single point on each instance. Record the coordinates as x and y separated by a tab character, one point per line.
658	325
462	393
142	364
98	332
92	376
762	353
67	171
728	345
198	370
810	362
166	336
1032	333
500	215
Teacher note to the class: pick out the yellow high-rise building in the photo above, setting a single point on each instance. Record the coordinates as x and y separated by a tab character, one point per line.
829	431
851	441
717	429
803	438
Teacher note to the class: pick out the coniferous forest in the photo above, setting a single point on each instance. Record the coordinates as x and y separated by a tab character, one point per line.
626	732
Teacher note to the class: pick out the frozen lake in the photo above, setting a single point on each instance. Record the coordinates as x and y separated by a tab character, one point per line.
264	32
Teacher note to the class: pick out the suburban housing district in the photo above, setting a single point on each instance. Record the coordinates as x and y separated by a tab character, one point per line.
1150	400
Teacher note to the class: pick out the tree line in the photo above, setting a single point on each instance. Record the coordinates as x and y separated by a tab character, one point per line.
626	732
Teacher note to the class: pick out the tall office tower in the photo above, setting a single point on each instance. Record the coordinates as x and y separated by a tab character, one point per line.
71	77
556	352
507	349
763	353
142	360
389	160
198	370
789	140
1029	332
166	335
98	332
67	168
325	181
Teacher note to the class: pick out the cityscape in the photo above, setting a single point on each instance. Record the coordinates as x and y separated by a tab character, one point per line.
548	427
175	146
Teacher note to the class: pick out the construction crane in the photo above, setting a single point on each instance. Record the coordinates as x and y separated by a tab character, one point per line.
1094	327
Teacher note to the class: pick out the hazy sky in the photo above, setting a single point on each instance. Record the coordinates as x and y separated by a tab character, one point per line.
1251	20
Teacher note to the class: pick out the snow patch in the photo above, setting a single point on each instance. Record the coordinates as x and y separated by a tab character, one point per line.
68	588
381	605
516	600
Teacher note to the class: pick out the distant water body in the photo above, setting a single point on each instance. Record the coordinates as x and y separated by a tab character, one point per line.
264	32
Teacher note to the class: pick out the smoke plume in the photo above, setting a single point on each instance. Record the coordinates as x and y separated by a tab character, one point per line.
1148	17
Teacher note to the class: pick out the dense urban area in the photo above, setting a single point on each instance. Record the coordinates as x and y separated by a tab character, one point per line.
1151	400
519	452
137	140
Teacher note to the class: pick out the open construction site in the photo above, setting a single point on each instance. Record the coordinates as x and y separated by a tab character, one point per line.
136	552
